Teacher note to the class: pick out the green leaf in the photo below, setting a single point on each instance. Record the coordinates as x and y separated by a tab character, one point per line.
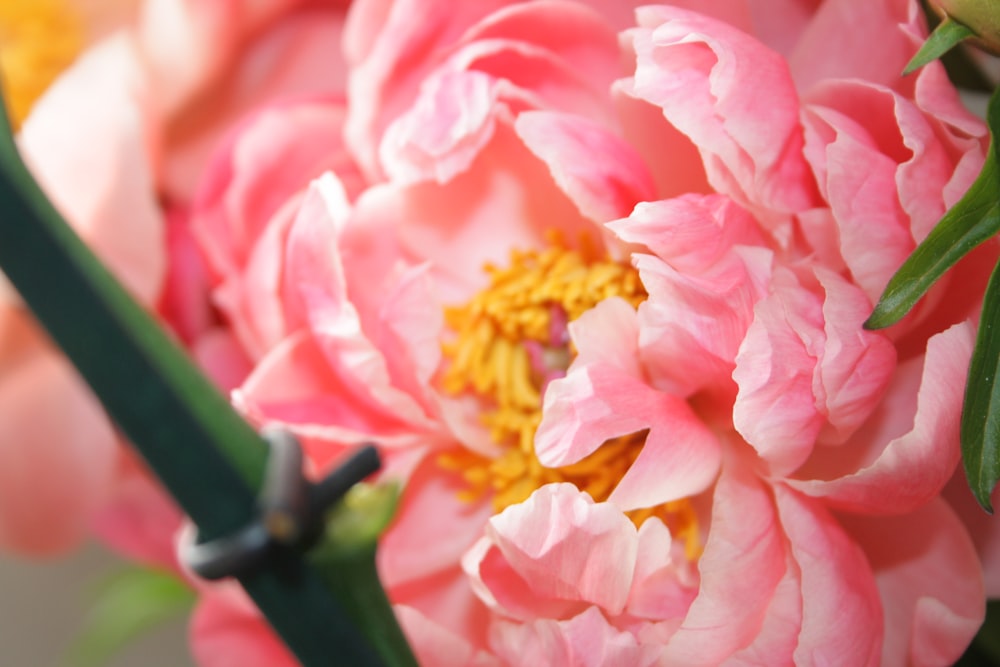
973	220
128	604
981	411
944	38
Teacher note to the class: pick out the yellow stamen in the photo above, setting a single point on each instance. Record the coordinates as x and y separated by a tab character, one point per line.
508	341
38	40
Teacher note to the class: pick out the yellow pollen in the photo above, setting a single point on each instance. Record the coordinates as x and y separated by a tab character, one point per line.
508	342
38	40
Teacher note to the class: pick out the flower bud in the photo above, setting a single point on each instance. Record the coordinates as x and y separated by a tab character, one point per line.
982	16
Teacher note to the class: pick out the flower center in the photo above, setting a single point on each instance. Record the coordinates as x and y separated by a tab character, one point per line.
38	40
509	342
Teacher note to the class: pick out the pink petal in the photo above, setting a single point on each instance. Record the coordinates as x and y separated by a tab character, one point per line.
228	631
140	520
928	576
567	547
842	616
265	161
710	78
416	547
775	409
586	640
856	365
701	287
981	527
909	468
874	231
874	41
743	563
602	189
92	121
451	122
604	396
388	54
58	455
438	646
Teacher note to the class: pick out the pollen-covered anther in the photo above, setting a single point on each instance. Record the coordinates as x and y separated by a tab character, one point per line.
510	340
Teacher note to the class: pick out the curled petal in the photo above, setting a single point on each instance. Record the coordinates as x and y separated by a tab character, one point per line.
708	77
923	456
603	396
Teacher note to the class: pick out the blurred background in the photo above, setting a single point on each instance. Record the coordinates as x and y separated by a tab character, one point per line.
44	606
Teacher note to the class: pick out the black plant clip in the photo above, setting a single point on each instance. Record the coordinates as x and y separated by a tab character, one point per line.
291	510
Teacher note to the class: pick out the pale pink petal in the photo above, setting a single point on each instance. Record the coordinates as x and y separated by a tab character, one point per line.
388	54
743	563
506	200
841	612
586	640
874	232
778	638
315	273
227	631
701	287
983	528
438	646
93	121
295	386
711	80
565	546
432	528
776	410
924	456
928	576
58	456
661	588
604	187
873	41
451	122
856	365
604	396
222	358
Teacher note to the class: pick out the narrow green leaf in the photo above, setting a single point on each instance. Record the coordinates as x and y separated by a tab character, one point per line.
128	604
973	220
981	411
205	454
944	38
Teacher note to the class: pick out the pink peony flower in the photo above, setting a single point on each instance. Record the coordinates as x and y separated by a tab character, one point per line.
595	279
593	276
